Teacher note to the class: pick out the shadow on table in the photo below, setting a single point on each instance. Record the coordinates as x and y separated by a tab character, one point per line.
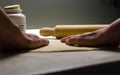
11	53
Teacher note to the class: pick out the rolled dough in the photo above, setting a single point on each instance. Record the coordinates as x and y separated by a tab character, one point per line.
57	46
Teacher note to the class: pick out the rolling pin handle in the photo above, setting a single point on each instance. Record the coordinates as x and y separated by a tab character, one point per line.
47	31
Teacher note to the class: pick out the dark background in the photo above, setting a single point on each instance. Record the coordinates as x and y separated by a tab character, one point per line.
41	13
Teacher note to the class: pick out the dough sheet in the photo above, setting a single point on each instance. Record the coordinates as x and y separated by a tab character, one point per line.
57	46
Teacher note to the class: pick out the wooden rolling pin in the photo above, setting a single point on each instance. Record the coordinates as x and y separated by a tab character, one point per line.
60	31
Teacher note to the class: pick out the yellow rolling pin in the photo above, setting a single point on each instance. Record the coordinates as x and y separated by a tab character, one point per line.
60	31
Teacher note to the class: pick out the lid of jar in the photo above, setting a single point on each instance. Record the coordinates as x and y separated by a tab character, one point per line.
13	8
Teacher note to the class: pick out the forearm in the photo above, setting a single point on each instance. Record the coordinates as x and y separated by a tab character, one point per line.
115	25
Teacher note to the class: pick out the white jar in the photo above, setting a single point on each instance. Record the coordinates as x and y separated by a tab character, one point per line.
15	13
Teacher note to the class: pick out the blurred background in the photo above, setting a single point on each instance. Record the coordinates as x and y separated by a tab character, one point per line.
41	13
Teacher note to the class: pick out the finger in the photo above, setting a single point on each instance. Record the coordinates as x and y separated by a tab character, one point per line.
65	38
79	41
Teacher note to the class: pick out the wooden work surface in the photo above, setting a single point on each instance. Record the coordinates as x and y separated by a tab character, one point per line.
28	63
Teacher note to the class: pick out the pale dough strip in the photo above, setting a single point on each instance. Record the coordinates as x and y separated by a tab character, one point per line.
57	46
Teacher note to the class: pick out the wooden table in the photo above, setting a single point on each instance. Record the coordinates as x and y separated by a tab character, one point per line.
95	62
